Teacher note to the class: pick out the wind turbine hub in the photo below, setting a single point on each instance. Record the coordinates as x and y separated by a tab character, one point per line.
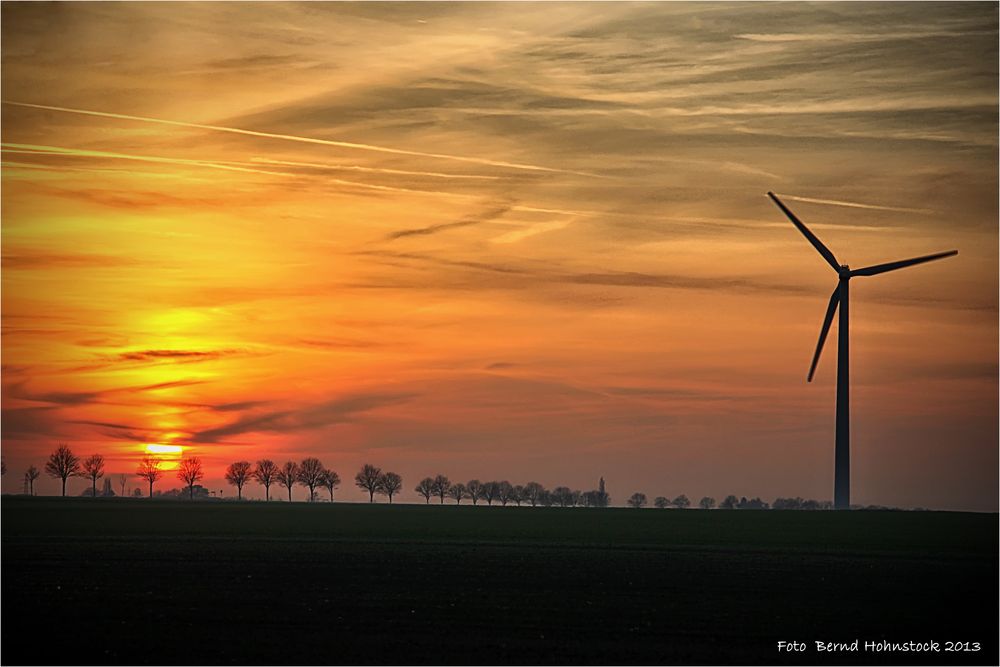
844	271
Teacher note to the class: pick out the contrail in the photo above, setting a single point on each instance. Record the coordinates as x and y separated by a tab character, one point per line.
32	149
307	140
372	170
852	204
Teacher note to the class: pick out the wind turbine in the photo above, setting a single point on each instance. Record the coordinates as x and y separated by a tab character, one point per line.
842	454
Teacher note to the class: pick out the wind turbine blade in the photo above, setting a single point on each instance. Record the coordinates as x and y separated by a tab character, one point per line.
830	310
823	250
901	264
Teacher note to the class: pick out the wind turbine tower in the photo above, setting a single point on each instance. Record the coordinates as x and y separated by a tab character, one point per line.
839	298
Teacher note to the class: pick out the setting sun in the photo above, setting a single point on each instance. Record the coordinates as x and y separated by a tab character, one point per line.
164	449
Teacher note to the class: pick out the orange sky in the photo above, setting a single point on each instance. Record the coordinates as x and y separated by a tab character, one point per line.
511	241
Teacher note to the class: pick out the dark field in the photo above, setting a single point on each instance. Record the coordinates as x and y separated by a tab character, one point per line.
144	582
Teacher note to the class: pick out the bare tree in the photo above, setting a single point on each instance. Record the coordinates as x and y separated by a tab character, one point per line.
505	492
330	481
190	472
661	503
519	495
93	469
266	473
638	500
122	483
288	476
30	475
62	464
706	503
681	502
425	487
440	487
390	484
149	470
729	503
368	479
474	489
562	496
490	492
458	491
238	474
534	491
311	475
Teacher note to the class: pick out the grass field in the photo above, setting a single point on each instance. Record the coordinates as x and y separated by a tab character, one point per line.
114	581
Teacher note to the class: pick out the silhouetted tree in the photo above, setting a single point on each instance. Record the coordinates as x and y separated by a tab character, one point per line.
505	492
534	491
787	503
490	492
562	496
311	475
729	503
441	486
755	504
519	495
425	487
575	498
661	503
149	470
637	500
93	469
330	481
706	503
546	498
474	490
189	472
389	484
30	475
238	474
62	464
288	475
368	479
458	491
266	474
122	483
681	502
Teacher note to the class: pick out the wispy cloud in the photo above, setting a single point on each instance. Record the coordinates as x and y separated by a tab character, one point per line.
307	417
468	221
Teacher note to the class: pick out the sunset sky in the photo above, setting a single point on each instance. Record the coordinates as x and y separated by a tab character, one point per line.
504	241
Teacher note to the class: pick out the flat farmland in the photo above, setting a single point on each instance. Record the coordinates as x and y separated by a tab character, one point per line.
123	581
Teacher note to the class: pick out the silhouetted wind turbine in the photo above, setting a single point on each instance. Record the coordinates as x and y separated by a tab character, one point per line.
842	456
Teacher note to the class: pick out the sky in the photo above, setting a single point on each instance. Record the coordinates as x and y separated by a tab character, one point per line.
503	241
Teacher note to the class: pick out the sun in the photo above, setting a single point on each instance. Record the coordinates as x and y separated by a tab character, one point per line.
169	455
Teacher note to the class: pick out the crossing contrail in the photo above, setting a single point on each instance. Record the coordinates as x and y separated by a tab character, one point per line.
306	140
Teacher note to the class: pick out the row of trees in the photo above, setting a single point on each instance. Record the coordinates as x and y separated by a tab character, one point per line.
639	500
313	475
505	493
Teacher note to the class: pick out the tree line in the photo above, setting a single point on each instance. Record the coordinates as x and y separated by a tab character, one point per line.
315	477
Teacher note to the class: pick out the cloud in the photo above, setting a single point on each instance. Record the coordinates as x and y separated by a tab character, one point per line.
179	355
304	418
467	221
37	259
